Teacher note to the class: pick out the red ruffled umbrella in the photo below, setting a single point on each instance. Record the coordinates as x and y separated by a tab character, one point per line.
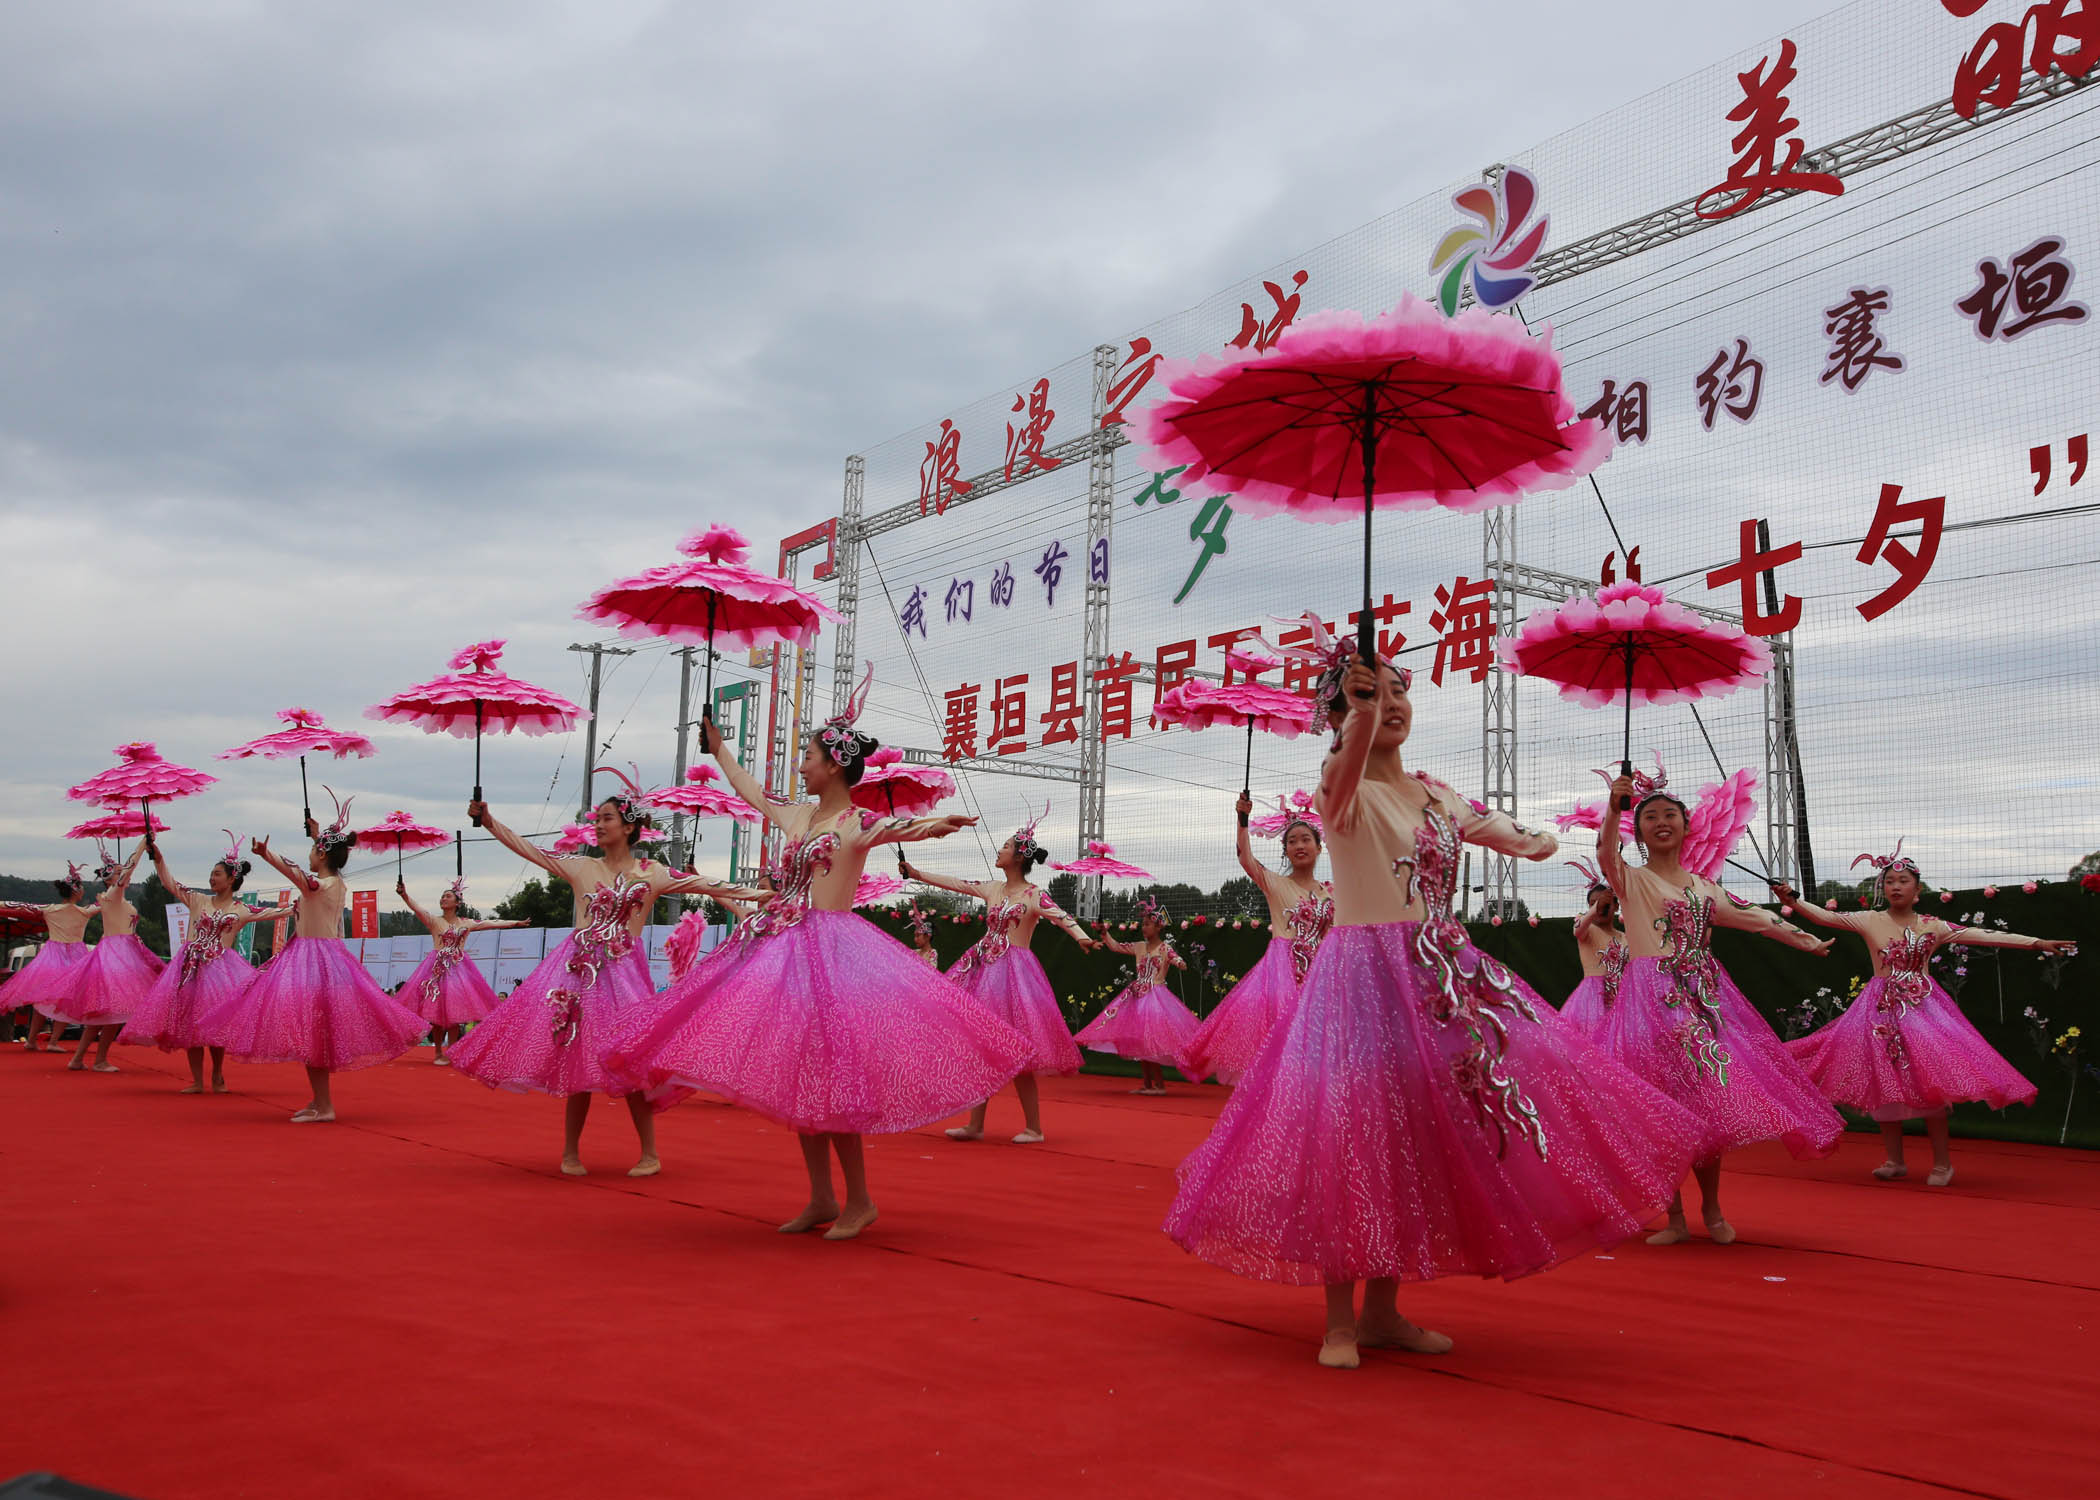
141	775
473	696
17	921
715	595
903	791
699	798
304	735
1631	642
399	832
1099	861
1297	807
1343	414
1195	704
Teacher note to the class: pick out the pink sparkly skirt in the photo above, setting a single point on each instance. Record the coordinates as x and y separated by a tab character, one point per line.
1930	1059
1144	1023
120	972
49	980
460	997
1353	1148
1014	988
829	1026
1232	1035
172	1014
313	1003
1766	1096
525	1045
1584	1009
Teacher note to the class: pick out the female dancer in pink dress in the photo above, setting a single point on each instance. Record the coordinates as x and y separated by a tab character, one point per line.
48	981
1681	1023
1145	1022
448	989
1005	977
120	970
922	941
818	1019
313	1003
548	1035
1604	953
205	973
1903	1048
1420	1112
1301	909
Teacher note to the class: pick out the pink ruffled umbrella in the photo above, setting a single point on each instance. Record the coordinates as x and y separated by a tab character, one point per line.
473	695
903	791
1099	861
1195	704
1407	410
399	832
141	775
1297	807
1631	640
119	826
714	596
305	735
700	798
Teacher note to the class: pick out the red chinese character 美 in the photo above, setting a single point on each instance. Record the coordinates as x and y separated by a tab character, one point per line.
1747	570
1624	413
1856	347
2034	284
1465	620
1389	641
1735	390
959	734
1891	511
1299	675
1025	445
1766	126
1262	332
1997	65
1009	733
1135	375
1061	723
939	468
1115	677
1170	664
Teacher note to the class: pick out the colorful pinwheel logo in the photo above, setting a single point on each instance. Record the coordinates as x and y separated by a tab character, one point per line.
1496	242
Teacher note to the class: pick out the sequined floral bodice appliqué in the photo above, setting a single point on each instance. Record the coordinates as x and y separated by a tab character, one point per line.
1471	987
1309	921
1000	920
1904	985
602	938
1152	968
1613	961
207	940
451	947
1687	928
800	865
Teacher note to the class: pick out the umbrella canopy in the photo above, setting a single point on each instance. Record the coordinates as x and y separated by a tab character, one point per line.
473	696
1195	704
399	832
117	825
1343	414
1099	861
699	798
1297	807
714	596
305	734
874	888
890	786
141	774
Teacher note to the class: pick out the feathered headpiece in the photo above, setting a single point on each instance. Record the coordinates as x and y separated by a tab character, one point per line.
73	880
336	834
458	890
1591	878
106	867
920	922
231	859
1148	906
1883	864
1647	789
841	741
629	801
1025	842
1331	655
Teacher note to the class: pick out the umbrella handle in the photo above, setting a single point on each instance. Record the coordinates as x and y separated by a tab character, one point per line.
1626	738
1367	435
306	801
1247	787
477	757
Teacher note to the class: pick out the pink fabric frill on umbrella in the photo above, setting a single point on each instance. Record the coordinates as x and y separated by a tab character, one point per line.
1473	415
1295	808
1195	704
751	608
1099	861
873	888
306	735
116	825
397	830
446	704
889	786
140	774
1680	656
699	799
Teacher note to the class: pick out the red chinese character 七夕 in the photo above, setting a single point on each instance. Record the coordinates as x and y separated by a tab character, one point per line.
1766	128
1024	445
959	733
1891	511
938	470
1061	721
1009	732
1465	621
1747	571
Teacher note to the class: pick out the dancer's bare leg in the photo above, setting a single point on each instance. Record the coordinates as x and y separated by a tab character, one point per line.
1942	1171
1382	1327
102	1062
1338	1348
1675	1232
975	1129
859	1211
322	1110
823	1206
575	1110
79	1061
218	1070
1892	1144
1708	1174
645	1133
196	1056
1031	1110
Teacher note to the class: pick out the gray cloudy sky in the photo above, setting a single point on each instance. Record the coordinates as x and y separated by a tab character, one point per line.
334	336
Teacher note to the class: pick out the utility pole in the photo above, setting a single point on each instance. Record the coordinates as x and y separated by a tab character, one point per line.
590	740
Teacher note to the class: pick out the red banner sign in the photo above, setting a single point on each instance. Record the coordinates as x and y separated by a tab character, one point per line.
364	914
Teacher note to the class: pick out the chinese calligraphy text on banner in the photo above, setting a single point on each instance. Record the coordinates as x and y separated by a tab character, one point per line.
1896	372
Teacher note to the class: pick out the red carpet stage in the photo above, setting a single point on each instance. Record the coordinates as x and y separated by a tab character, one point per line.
204	1301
